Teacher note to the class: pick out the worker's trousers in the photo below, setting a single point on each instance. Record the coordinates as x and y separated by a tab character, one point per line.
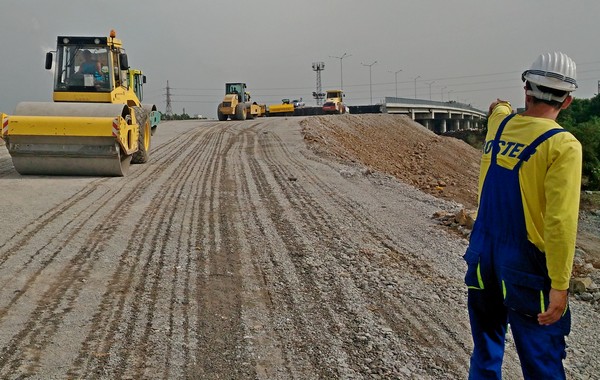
508	280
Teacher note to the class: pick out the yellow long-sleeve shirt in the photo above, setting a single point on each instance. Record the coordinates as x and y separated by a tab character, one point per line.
550	185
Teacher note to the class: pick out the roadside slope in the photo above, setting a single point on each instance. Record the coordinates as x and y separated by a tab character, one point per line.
442	166
445	167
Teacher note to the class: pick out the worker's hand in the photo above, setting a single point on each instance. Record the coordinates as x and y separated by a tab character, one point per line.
495	103
556	308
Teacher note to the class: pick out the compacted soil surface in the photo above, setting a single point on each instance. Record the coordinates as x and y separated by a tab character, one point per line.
278	248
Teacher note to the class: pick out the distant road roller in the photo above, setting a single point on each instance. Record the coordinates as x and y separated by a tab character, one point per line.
96	124
334	103
236	104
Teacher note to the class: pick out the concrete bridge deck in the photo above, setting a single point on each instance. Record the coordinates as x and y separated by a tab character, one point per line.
438	117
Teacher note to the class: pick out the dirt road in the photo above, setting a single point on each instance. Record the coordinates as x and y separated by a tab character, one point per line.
236	253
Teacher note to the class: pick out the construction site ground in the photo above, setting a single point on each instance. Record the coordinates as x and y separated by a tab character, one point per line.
275	248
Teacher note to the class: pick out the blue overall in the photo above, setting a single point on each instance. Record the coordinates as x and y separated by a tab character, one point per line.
91	67
508	280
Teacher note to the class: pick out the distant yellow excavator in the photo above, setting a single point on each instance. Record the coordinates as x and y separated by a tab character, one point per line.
96	125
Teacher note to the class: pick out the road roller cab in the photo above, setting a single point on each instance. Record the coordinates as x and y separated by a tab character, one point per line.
97	123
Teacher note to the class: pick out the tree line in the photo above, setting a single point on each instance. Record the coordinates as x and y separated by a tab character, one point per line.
582	119
183	116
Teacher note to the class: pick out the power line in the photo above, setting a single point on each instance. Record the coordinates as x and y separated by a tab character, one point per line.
437	79
463	84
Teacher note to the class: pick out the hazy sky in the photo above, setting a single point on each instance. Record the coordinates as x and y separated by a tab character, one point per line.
465	50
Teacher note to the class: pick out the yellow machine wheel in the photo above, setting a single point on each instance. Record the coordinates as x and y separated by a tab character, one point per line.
240	112
143	153
220	115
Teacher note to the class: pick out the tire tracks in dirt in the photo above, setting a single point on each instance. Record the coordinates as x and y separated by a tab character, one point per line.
413	313
226	256
319	280
26	345
6	166
144	269
220	352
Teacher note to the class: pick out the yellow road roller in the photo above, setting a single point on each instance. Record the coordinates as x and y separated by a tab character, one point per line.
96	124
236	104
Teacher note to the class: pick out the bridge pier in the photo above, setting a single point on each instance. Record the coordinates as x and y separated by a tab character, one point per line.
443	127
456	124
425	122
466	124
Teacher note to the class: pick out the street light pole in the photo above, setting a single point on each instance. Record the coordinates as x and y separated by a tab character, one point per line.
345	55
430	83
416	85
370	88
396	79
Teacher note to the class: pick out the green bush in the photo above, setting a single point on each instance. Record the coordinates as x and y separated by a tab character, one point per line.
588	134
582	119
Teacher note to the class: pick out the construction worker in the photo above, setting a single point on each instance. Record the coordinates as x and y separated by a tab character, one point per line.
91	66
521	249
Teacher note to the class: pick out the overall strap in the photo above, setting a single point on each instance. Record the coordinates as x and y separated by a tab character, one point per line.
527	152
496	143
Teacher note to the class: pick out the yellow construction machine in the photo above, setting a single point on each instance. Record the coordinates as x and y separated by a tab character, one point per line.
96	125
2	118
236	104
283	109
334	102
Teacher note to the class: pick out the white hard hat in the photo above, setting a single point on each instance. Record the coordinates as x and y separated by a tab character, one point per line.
553	70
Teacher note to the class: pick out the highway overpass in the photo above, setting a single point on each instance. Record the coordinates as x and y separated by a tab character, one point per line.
439	117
